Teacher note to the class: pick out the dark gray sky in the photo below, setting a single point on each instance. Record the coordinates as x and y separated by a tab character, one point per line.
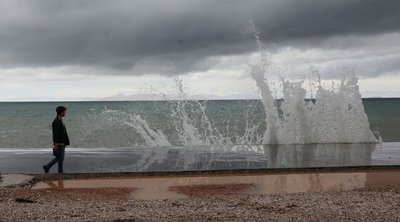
127	37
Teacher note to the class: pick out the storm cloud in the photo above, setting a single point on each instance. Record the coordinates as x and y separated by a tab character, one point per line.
161	37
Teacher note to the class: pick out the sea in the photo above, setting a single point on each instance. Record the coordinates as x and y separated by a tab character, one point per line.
162	123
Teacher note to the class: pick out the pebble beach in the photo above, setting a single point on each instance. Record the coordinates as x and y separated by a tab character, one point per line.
202	203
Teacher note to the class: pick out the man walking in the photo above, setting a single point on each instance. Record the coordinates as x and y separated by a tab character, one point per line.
60	140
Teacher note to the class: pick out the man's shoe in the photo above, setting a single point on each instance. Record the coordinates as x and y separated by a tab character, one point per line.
46	170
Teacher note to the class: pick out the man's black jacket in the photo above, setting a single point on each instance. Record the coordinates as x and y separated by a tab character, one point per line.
60	135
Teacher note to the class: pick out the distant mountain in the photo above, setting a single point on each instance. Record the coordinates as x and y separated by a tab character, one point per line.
141	97
46	99
133	97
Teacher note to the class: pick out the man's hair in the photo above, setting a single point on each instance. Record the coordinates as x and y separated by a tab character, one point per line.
60	109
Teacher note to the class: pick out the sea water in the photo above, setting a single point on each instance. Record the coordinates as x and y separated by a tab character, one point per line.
161	123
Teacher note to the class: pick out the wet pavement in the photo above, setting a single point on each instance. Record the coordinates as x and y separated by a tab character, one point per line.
283	183
200	158
14	179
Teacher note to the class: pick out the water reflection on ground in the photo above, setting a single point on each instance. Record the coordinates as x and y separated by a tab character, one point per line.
164	187
319	155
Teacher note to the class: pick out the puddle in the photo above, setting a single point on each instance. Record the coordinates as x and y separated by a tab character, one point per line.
159	187
146	189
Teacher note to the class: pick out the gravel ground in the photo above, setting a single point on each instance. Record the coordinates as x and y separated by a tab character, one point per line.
204	203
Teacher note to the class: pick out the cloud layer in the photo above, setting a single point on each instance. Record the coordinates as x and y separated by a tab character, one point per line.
168	37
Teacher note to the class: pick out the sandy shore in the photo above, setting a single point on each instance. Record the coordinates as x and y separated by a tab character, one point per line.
204	203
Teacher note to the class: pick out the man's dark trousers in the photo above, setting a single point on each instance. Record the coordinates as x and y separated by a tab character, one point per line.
59	154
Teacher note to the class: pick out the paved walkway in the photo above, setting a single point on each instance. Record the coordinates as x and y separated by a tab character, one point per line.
14	179
145	159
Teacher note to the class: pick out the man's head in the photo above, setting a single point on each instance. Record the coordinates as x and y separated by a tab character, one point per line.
61	110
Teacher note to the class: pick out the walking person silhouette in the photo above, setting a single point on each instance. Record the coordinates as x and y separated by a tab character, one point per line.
60	140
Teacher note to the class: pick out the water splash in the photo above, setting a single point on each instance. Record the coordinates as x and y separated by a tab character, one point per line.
120	118
333	115
193	125
186	123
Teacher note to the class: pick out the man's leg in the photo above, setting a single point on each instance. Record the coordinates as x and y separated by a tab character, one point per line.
50	164
57	153
61	159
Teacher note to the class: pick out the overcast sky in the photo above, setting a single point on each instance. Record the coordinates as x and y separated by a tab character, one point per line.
75	49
